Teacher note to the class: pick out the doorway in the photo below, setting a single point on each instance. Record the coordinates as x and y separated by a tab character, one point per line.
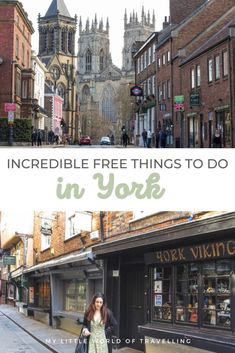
132	306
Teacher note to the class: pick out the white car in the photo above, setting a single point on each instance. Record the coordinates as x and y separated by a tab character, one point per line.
105	140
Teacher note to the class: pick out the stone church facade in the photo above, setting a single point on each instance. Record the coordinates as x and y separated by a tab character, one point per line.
57	31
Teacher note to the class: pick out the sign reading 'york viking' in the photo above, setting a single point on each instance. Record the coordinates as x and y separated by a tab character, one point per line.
199	252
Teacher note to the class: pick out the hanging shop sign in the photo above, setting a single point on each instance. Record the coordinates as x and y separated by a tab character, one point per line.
9	260
136	91
194	99
179	103
207	251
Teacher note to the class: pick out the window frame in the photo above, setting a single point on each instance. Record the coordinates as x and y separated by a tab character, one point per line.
225	75
217	67
210	70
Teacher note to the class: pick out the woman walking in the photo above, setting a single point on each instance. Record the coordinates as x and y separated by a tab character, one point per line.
99	325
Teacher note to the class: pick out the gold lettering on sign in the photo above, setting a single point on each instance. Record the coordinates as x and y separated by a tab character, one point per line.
159	256
231	247
174	255
213	250
181	255
205	251
218	247
194	252
166	256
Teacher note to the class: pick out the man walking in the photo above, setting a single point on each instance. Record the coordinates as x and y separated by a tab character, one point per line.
144	136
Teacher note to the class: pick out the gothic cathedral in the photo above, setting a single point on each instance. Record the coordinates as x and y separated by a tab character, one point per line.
98	79
57	31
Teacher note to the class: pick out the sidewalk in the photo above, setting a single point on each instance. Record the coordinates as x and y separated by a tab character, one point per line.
58	340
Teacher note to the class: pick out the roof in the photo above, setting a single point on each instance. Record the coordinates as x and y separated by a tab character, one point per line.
214	40
66	259
57	6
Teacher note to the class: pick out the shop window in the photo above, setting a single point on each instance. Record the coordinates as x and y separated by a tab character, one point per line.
164	59
168	89
201	293
225	63
75	295
187	293
216	293
44	295
162	305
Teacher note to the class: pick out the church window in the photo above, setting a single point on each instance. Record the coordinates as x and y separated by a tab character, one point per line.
85	94
63	41
101	60
61	92
88	61
70	42
108	105
51	41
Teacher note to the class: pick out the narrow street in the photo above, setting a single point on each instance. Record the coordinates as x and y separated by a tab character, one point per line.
20	334
15	340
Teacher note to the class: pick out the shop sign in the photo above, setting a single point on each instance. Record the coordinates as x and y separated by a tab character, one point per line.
194	99
179	103
9	260
9	107
46	226
136	91
207	251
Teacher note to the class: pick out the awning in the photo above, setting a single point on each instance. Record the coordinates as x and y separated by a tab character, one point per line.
74	257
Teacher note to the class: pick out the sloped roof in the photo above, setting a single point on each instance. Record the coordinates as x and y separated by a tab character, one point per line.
215	39
57	6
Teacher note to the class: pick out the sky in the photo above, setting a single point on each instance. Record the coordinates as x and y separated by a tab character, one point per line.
114	10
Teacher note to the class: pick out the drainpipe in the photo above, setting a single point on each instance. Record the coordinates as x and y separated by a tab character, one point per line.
101	226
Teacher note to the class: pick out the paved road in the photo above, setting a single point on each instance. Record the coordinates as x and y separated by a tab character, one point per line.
16	340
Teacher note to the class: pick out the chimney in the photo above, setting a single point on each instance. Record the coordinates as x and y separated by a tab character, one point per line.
165	23
179	10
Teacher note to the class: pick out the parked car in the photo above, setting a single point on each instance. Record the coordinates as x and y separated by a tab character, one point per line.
85	140
105	140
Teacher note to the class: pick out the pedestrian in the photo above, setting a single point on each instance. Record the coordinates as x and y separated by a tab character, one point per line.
162	138
125	139
144	136
149	139
112	139
34	137
217	139
157	139
39	137
57	139
99	326
51	137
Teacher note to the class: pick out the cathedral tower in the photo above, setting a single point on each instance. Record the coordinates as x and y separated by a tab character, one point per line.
135	30
57	31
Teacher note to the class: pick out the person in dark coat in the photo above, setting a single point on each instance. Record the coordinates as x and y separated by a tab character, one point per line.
34	138
99	325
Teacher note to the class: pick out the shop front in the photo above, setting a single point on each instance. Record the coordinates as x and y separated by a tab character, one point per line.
173	290
61	289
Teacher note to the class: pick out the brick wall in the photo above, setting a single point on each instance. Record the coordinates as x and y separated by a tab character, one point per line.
183	8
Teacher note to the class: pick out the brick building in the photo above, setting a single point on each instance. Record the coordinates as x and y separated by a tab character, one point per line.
146	79
187	52
16	74
208	76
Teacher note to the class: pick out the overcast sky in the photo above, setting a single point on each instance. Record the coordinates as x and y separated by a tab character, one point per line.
114	10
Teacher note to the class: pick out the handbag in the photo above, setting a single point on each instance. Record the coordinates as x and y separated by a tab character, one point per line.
82	346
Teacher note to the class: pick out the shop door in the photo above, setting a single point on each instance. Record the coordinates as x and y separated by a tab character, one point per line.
132	306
